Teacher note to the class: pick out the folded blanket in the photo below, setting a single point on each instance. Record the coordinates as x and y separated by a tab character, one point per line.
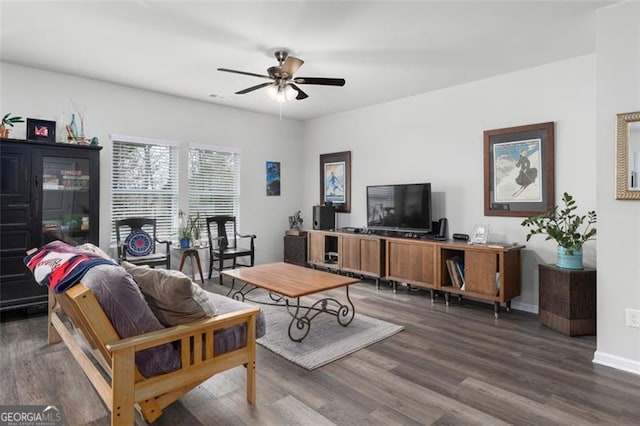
58	265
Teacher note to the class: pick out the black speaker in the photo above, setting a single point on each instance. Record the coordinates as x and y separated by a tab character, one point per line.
443	232
324	217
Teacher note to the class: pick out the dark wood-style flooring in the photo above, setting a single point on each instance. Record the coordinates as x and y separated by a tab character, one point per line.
451	365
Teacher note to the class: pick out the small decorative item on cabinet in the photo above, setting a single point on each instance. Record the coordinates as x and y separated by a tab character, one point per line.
564	227
8	121
41	130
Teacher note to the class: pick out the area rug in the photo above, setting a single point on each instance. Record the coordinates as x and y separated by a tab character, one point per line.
327	340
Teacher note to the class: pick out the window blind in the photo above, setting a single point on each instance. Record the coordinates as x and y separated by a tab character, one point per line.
214	183
145	183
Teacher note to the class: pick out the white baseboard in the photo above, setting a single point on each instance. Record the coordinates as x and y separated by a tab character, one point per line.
525	307
617	362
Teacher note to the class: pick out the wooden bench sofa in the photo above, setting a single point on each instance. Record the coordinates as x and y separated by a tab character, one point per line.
121	386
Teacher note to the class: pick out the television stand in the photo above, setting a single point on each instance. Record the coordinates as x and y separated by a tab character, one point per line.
490	273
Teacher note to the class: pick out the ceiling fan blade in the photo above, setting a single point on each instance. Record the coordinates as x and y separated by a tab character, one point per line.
291	65
301	94
252	88
320	81
244	73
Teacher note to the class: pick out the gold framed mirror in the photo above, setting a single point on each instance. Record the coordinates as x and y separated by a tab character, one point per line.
628	156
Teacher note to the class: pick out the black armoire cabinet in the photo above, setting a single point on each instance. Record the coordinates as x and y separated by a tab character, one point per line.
48	192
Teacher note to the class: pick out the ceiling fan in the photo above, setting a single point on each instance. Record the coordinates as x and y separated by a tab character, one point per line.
283	86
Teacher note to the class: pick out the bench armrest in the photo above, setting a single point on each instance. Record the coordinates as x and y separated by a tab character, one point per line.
160	337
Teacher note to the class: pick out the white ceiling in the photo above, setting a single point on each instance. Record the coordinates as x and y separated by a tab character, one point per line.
384	49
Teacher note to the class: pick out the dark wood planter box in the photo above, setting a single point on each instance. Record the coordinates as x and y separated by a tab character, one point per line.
295	249
567	300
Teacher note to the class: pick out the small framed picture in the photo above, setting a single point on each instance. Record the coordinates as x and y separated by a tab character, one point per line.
41	130
480	234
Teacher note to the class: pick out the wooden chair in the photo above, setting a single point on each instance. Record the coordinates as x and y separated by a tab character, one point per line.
128	389
222	248
148	226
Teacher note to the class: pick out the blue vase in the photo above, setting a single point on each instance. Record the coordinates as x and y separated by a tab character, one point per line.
185	242
73	126
569	261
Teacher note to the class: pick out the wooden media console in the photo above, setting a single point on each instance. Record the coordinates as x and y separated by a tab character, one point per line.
489	273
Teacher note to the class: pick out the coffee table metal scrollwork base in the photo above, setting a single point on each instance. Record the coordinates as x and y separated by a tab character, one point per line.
301	315
287	284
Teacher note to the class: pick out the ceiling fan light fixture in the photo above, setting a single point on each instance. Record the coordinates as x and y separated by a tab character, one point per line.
272	91
281	94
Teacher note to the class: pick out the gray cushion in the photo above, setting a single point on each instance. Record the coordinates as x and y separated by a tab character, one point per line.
233	337
173	297
130	315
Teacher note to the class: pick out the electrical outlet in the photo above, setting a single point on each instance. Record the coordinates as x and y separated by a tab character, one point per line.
633	318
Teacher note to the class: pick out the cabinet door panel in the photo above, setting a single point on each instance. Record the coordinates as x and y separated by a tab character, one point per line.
370	257
480	272
15	175
351	253
413	262
316	248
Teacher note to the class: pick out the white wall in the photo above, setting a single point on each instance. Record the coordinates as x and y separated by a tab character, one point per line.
437	137
618	79
115	109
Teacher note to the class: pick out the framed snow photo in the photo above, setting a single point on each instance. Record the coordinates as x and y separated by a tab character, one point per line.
518	170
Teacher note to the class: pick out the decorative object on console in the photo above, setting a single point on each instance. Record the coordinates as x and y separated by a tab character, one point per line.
519	170
564	227
273	178
295	221
8	121
335	180
480	234
460	237
628	156
41	130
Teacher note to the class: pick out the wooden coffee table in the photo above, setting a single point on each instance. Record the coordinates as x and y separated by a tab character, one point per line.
286	284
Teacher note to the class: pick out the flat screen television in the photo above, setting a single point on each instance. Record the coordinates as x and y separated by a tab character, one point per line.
404	207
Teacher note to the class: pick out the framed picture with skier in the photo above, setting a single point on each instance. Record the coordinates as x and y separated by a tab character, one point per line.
519	170
335	180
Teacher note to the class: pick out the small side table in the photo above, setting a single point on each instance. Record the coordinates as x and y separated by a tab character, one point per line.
567	299
295	249
192	253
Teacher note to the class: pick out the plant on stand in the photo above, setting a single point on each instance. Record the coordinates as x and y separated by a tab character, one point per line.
567	228
194	223
185	230
8	121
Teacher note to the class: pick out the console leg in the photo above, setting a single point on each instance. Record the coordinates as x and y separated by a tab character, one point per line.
447	298
377	283
394	287
496	309
508	305
433	296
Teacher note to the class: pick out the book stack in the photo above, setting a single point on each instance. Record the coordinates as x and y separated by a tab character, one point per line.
455	266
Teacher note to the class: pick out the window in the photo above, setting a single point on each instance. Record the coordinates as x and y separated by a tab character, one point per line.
145	182
214	182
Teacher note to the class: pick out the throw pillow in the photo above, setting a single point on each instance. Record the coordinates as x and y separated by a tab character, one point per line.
172	296
138	243
130	315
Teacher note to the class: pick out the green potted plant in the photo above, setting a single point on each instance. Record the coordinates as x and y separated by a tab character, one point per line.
8	121
185	230
194	223
569	229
